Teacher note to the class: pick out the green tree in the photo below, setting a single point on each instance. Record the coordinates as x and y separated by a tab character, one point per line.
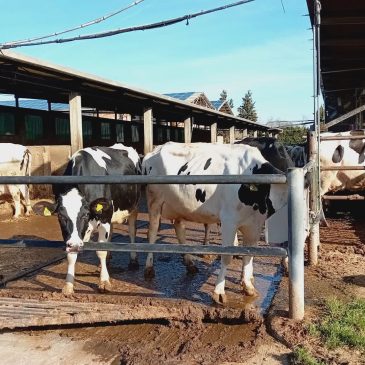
247	110
293	135
223	97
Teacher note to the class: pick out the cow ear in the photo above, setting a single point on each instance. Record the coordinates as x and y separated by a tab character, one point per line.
44	208
99	206
338	154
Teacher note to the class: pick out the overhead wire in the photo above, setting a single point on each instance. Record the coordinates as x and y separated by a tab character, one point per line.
163	23
81	26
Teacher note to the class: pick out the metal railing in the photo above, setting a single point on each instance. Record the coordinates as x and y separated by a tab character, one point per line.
296	209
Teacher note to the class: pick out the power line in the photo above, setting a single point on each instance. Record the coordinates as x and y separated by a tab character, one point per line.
282	4
84	25
160	24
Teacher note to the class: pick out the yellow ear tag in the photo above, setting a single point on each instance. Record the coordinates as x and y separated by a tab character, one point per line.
99	207
46	212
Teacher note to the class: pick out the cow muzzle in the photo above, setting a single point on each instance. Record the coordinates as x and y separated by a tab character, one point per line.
74	247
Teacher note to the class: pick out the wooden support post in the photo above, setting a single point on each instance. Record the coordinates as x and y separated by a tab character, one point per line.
187	129
231	135
213	133
244	133
75	122
148	130
255	134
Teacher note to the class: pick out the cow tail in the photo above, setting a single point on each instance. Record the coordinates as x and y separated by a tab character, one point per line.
27	162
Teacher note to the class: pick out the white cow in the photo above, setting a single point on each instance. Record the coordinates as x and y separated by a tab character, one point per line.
243	207
15	159
343	153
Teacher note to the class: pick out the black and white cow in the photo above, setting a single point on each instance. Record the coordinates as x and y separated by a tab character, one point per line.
85	209
298	154
272	150
242	207
16	160
342	153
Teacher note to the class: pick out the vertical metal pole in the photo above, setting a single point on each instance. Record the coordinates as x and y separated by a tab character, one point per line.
296	216
314	205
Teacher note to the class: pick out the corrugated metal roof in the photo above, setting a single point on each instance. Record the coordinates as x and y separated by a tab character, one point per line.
217	103
55	83
181	96
37	104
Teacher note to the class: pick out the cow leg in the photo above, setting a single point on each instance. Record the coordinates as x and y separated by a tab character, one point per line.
247	276
16	197
180	233
133	262
228	239
206	233
68	289
154	213
249	238
104	236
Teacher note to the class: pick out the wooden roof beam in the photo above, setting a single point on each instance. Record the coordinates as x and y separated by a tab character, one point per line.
343	20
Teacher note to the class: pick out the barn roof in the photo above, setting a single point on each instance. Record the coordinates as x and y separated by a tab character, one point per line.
222	106
194	97
342	49
27	77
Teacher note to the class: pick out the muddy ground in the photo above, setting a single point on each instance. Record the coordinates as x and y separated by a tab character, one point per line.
268	338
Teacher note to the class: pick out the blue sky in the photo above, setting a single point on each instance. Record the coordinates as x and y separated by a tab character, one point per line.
255	46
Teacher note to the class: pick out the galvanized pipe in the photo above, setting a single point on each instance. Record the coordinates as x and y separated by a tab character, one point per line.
144	179
156	248
296	237
339	138
314	204
343	168
344	197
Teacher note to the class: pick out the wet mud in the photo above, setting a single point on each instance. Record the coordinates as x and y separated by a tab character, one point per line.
229	334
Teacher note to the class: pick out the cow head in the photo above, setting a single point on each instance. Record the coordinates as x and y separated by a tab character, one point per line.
73	216
272	150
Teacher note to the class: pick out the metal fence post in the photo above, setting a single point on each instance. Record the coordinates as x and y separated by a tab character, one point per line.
296	217
314	203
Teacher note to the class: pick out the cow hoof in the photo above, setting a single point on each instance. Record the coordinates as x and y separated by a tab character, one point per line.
133	265
250	291
219	298
68	289
105	286
192	269
149	273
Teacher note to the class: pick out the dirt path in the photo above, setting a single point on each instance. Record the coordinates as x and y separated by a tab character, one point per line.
340	273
